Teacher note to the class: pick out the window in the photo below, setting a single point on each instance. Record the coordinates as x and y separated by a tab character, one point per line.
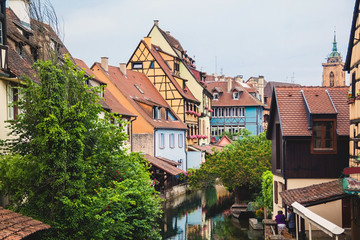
181	140
324	136
162	140
236	95
176	66
152	64
137	65
19	49
157	113
170	115
331	79
172	140
353	83
278	146
215	96
12	97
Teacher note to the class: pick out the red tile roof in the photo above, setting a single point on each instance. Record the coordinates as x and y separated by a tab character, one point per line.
163	165
313	194
137	88
292	108
226	98
209	149
21	65
171	40
87	70
16	226
318	101
116	106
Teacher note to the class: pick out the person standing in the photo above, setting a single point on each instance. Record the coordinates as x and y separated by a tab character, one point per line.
291	221
280	220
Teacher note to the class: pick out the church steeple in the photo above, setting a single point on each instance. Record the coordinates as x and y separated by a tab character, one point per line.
334	52
334	43
333	74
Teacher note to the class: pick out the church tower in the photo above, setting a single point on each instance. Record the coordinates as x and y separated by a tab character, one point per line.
333	73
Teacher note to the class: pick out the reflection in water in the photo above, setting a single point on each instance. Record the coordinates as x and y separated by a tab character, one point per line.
204	215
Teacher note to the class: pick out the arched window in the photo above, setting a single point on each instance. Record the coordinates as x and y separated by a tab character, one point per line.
331	79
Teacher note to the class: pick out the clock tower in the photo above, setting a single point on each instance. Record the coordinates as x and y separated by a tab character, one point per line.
333	73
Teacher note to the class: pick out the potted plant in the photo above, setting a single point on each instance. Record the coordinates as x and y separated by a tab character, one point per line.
259	215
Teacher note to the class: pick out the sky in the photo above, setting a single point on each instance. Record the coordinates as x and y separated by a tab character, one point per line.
282	40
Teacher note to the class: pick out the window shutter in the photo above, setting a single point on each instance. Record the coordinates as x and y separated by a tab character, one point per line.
276	192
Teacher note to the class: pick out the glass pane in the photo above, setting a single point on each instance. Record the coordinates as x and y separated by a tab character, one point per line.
317	134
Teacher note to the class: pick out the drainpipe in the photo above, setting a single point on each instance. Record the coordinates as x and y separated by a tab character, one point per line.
155	130
131	133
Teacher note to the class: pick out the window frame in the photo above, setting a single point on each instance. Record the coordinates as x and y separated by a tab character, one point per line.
133	64
161	140
12	96
215	96
236	95
180	140
324	150
172	140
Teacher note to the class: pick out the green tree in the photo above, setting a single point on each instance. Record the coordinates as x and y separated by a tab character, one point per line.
69	168
239	166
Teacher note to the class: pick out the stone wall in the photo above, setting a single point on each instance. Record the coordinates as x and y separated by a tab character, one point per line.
143	143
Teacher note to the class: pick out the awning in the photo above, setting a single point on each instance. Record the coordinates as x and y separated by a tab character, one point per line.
163	165
14	226
314	194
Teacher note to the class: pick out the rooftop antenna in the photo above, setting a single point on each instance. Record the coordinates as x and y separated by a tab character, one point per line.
293	78
221	71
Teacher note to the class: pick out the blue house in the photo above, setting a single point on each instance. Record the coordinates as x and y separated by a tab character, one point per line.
234	108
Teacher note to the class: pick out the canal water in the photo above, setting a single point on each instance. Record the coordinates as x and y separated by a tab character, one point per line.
205	215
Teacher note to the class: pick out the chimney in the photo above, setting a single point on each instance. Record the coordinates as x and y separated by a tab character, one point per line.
105	63
148	41
21	8
123	68
168	32
156	22
239	78
229	84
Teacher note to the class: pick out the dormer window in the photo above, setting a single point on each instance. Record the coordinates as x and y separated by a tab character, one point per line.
19	49
157	113
169	115
324	136
215	96
236	95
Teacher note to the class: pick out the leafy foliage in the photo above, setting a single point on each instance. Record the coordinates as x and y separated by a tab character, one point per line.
69	168
267	189
239	166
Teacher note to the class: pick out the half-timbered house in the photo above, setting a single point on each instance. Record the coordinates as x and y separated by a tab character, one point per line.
309	130
352	66
183	66
157	131
156	65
